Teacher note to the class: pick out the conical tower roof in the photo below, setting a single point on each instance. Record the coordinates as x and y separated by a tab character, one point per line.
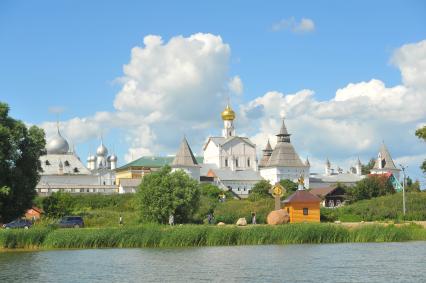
284	154
268	147
266	155
184	157
386	159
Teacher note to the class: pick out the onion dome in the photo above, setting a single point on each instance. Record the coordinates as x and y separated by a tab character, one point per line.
57	145
228	114
102	150
112	158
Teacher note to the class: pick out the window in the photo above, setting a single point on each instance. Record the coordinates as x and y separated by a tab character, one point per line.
226	162
248	162
305	211
47	162
236	162
66	163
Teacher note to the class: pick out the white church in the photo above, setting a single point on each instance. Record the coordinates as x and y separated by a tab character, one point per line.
230	162
63	171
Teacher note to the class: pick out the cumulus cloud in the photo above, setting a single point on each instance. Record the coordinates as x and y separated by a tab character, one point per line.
356	120
169	88
176	87
236	85
305	25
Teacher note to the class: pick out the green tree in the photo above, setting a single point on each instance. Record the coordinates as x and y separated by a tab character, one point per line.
412	186
365	169
20	149
370	187
421	134
260	190
57	205
289	186
164	192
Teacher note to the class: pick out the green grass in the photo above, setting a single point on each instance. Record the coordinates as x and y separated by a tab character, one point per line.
229	211
380	209
204	235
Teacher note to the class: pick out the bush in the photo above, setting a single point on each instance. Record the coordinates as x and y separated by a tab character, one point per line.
381	208
370	187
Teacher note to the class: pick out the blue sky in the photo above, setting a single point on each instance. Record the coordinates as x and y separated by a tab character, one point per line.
70	54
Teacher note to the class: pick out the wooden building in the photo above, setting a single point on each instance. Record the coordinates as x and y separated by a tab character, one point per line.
33	213
302	206
330	196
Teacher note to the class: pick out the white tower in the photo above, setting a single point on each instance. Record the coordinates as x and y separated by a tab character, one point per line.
101	156
358	167
228	117
113	161
327	168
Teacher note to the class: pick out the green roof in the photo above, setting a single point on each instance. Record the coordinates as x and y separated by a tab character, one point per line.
154	162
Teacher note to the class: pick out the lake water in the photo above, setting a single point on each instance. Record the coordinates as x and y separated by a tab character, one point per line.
366	262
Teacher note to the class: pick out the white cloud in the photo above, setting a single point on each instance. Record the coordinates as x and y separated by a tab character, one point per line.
355	121
304	26
168	89
236	85
180	87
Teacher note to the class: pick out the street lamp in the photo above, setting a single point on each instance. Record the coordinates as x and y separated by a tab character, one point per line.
403	187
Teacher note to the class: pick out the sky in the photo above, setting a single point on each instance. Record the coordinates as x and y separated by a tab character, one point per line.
346	75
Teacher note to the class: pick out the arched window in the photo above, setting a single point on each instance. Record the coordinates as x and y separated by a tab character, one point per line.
248	162
236	162
226	162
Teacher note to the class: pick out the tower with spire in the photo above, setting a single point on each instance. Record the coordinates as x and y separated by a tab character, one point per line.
384	163
228	117
284	162
185	160
267	152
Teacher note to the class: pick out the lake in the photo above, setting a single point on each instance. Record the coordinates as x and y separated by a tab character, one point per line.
363	262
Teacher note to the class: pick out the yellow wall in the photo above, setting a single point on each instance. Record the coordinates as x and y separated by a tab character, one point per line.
295	210
130	173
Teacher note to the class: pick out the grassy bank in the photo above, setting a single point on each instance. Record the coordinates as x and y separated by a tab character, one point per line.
203	235
380	209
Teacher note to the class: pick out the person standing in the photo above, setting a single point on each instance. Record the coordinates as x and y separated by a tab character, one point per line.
120	221
209	218
253	218
171	220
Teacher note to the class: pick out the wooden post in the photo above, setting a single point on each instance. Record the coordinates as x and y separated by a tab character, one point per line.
277	202
277	192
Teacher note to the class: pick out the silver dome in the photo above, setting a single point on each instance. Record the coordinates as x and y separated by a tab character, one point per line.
102	150
113	158
57	145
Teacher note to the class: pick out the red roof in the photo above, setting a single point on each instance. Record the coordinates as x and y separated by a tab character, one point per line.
302	196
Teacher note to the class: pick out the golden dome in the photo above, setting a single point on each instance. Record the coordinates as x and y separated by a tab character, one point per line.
228	114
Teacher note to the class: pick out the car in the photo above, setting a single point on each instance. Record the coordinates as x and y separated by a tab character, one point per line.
18	223
71	222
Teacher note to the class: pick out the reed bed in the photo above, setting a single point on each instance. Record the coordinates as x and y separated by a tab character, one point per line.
204	235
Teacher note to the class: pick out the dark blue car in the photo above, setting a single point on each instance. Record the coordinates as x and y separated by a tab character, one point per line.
18	223
71	222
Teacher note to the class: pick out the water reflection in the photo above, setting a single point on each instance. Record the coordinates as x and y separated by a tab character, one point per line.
384	262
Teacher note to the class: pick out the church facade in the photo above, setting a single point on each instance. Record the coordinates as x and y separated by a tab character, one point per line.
63	171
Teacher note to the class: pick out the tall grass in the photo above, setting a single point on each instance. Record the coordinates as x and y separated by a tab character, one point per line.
204	235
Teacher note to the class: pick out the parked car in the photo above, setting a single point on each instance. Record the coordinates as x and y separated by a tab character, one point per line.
71	222
18	223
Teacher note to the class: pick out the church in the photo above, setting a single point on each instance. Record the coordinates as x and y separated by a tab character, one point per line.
63	171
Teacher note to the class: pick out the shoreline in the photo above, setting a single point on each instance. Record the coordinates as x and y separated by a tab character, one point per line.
161	236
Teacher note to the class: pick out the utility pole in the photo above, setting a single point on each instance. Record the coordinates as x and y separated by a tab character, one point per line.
403	187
